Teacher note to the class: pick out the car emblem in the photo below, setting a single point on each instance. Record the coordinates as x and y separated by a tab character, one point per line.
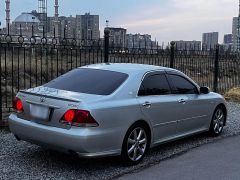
42	99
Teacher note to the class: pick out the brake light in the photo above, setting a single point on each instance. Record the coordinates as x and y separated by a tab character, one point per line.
69	116
18	105
79	118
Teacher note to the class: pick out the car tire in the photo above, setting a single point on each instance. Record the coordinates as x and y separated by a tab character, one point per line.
218	122
136	144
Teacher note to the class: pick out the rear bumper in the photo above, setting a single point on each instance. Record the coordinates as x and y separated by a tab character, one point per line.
86	142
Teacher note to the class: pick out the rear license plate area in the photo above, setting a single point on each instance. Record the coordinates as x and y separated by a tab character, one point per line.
39	112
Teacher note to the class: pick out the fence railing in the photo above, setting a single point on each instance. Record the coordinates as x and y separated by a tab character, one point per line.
30	63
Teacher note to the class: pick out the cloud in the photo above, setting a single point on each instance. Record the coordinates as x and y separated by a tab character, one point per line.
164	19
180	19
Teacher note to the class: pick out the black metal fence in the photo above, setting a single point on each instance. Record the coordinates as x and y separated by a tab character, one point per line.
27	63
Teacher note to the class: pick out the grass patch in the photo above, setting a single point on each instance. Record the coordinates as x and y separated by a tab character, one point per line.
233	95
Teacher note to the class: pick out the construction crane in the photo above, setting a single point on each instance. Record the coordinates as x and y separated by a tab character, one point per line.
42	11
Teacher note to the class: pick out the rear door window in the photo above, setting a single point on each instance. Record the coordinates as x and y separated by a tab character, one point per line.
89	81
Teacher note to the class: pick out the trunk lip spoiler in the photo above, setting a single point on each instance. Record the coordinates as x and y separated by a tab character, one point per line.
49	96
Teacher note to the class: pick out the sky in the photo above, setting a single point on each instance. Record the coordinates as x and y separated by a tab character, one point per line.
165	20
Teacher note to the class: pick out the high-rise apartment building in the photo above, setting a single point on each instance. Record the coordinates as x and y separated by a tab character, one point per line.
227	39
81	27
70	27
140	41
227	42
62	27
188	45
117	37
209	40
236	33
88	26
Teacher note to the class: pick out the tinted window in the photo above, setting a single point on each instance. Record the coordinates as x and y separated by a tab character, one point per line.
182	85
154	85
89	81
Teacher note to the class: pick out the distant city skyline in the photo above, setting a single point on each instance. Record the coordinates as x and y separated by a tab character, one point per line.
165	20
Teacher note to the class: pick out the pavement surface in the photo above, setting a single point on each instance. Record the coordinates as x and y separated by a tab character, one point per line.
219	160
21	160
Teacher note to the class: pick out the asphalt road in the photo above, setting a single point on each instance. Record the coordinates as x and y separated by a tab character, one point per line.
21	160
219	160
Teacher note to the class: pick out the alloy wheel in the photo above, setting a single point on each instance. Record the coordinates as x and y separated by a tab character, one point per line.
137	144
218	121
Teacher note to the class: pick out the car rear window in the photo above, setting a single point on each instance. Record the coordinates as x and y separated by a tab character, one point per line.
89	81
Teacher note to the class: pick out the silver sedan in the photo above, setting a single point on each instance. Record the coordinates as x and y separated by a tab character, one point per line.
116	109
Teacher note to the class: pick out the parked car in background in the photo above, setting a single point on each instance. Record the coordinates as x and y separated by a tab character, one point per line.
116	109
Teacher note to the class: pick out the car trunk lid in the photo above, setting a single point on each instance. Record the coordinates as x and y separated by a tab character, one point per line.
47	106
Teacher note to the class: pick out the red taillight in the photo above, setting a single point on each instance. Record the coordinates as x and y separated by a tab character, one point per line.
18	105
84	118
79	118
69	116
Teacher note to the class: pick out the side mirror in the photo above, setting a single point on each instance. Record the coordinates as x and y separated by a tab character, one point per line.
204	90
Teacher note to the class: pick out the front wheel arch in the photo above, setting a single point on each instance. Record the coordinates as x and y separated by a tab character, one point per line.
217	123
223	107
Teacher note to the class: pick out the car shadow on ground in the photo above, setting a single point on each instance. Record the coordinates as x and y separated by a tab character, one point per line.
155	155
28	161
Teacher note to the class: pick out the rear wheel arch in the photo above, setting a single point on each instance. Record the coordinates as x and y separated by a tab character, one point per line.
146	125
148	129
140	124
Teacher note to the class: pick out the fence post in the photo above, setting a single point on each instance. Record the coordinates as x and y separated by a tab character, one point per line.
106	45
1	116
216	69
172	51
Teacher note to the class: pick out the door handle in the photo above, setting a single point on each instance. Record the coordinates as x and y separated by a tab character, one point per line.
182	101
147	104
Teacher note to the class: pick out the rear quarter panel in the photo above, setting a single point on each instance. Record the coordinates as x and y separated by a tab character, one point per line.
118	112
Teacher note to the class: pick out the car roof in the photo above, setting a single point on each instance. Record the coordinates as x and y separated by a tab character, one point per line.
127	68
